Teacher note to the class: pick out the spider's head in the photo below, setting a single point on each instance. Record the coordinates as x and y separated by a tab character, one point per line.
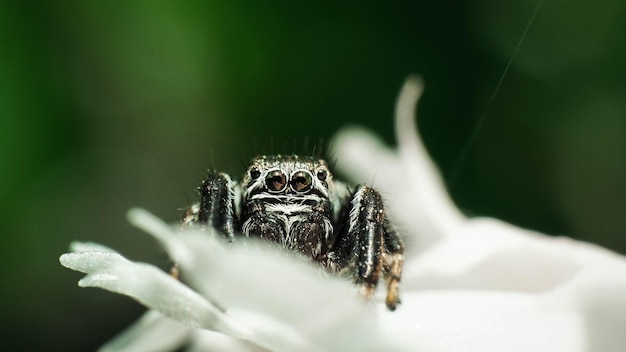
290	175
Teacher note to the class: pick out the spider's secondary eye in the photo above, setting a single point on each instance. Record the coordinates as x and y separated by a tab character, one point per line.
255	173
321	175
276	180
301	181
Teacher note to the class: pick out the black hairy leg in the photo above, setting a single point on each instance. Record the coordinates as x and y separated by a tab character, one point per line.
370	246
216	207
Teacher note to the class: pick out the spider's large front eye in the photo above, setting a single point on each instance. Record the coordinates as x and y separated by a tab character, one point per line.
276	181
301	181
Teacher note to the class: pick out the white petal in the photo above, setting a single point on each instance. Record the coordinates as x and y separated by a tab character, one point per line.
482	321
205	340
565	277
491	255
198	254
152	332
409	181
598	293
149	286
76	246
164	233
427	188
293	293
278	295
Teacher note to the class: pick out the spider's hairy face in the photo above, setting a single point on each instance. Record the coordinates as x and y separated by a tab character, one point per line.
287	177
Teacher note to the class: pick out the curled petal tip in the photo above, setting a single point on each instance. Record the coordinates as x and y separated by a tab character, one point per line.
63	259
135	214
405	109
414	83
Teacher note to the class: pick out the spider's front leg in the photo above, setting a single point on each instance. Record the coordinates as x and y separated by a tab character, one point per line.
372	245
216	208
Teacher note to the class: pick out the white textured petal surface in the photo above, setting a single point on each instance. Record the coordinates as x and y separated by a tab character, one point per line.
492	255
148	285
205	340
598	294
89	247
278	295
577	290
152	332
167	236
482	321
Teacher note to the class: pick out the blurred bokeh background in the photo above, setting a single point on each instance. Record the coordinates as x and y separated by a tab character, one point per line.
109	105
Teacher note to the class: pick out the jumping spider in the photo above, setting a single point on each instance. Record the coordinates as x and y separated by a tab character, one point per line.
294	202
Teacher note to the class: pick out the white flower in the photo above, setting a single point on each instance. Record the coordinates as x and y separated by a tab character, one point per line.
469	284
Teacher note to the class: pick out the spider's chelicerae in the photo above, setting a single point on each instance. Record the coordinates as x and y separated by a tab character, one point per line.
294	201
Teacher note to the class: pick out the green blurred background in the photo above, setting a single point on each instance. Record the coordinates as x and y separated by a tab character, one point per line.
109	105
